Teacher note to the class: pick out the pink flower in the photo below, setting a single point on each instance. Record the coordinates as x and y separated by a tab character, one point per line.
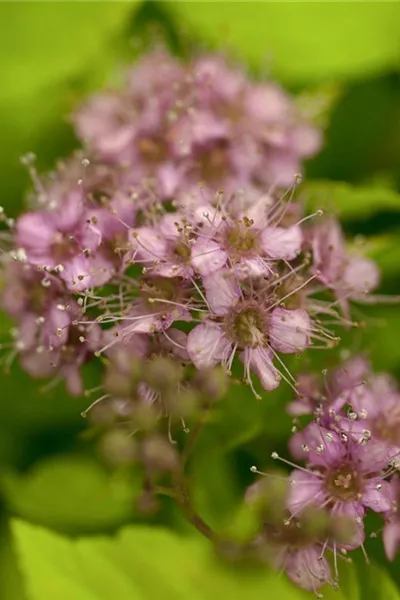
249	242
212	125
246	325
62	238
342	473
64	361
351	276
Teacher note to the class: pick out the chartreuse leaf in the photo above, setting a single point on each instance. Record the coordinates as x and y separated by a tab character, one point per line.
302	42
50	53
72	493
141	563
44	43
349	201
11	585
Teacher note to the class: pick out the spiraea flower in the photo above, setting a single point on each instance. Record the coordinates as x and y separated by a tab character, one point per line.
350	275
212	125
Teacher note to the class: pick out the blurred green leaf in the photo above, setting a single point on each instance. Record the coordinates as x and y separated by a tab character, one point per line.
375	583
49	54
42	44
214	486
11	587
385	250
141	563
349	201
72	493
240	417
302	42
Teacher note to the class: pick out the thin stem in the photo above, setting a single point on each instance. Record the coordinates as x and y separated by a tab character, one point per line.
183	500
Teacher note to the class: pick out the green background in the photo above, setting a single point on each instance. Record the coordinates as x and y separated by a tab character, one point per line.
69	525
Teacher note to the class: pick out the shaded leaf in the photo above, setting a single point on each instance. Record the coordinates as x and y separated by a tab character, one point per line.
72	493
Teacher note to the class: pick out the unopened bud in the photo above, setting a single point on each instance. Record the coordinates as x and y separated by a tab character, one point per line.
118	448
159	454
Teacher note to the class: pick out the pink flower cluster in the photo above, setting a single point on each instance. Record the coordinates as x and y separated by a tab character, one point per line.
351	453
171	231
174	125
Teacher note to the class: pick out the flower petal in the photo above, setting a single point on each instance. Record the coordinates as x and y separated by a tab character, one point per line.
289	330
207	256
222	291
377	495
205	345
282	242
305	490
360	275
391	538
260	362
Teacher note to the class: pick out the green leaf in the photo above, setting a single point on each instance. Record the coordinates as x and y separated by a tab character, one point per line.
302	42
11	587
49	54
72	493
45	43
385	251
140	563
375	583
349	201
240	417
214	486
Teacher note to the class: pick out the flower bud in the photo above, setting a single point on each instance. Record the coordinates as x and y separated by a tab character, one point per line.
163	373
118	448
158	454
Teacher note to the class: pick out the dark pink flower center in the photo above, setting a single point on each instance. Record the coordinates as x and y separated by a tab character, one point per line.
213	162
246	325
153	150
242	239
344	484
64	246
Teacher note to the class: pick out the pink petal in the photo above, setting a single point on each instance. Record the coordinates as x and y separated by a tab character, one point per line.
306	568
207	256
391	538
73	380
169	178
35	232
360	275
305	140
169	225
260	362
307	444
205	345
377	495
328	250
69	211
267	103
77	274
149	243
289	330
305	490
252	267
222	291
282	242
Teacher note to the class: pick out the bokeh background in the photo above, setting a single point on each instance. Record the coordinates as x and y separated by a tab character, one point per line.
343	60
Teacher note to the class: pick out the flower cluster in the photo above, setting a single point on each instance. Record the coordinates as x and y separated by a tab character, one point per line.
173	245
174	125
351	454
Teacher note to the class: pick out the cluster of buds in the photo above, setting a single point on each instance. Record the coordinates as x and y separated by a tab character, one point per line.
173	247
